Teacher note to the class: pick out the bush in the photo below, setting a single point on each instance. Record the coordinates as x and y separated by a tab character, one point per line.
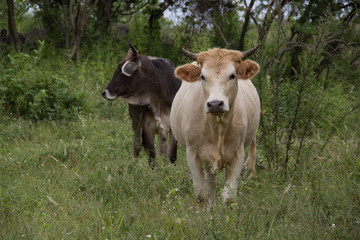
29	92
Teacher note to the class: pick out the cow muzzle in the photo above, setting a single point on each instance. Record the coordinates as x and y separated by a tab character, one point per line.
107	95
216	106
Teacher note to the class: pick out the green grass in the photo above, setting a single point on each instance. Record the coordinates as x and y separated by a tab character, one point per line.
78	180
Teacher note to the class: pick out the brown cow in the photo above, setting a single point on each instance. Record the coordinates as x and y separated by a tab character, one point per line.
215	116
148	85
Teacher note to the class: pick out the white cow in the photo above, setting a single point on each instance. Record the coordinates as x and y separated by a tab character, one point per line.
215	116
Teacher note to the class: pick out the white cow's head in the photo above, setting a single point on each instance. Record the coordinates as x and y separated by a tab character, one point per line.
219	70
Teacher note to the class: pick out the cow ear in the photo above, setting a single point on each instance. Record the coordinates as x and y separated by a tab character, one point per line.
247	69
130	67
188	72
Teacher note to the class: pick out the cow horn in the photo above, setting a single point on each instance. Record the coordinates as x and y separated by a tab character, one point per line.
189	54
133	49
250	51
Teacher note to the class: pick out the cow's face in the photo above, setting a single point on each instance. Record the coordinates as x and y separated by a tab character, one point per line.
125	81
219	70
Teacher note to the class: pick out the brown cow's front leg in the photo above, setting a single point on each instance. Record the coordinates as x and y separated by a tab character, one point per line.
137	141
172	149
162	140
136	114
148	141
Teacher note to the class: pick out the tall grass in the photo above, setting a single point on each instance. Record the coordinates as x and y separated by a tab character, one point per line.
77	179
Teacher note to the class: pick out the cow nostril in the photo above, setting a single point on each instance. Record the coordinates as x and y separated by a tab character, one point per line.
103	93
215	105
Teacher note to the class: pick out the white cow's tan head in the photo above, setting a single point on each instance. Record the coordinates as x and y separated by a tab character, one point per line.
219	70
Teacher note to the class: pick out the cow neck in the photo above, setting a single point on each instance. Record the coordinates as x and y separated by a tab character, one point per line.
220	124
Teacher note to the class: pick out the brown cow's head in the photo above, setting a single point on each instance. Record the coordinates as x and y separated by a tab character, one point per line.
219	71
126	79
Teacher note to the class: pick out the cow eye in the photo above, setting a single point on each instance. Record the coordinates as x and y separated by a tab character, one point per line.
232	76
203	78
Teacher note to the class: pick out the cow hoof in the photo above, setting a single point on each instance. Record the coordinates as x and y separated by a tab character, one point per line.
200	199
228	201
251	175
152	163
228	196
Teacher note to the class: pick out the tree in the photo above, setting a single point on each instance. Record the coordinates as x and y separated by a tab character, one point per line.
13	36
340	39
221	16
104	14
83	10
274	8
246	24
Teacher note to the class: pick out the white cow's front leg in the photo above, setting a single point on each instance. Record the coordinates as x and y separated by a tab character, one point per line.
194	164
233	172
211	184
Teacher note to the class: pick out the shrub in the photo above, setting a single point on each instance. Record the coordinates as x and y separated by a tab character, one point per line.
29	92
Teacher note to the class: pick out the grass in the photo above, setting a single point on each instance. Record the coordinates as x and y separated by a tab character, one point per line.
78	180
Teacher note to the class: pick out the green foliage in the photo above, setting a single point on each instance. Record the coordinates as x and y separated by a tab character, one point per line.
3	14
31	92
230	26
4	50
297	106
157	42
21	7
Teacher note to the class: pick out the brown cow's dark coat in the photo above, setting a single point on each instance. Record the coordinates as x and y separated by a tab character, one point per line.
149	86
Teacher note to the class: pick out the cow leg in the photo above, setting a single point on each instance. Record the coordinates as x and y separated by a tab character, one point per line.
137	141
148	141
250	162
194	164
233	172
136	114
162	140
172	149
211	185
